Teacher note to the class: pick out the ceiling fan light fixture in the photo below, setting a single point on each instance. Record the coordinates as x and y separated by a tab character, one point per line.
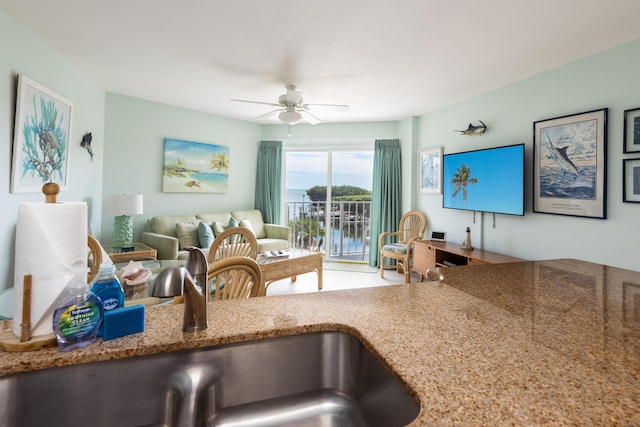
290	117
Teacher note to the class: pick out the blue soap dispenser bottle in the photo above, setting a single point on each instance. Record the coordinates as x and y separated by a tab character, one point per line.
107	287
77	317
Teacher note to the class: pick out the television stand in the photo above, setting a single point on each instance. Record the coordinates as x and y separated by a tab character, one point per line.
431	253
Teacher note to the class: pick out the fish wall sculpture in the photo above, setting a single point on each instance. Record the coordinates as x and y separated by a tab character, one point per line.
474	130
86	143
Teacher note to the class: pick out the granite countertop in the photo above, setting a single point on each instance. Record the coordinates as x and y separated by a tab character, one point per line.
528	343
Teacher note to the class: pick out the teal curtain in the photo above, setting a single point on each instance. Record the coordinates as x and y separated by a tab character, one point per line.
268	173
386	198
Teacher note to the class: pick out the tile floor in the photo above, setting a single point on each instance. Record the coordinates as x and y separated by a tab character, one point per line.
338	276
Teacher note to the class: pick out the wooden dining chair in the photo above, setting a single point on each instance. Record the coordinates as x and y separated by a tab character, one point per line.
235	241
234	278
95	259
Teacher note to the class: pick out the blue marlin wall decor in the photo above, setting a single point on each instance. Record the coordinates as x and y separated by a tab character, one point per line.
560	156
474	130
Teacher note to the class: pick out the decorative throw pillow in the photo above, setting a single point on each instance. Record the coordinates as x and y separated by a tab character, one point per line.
187	232
247	224
233	223
205	235
218	228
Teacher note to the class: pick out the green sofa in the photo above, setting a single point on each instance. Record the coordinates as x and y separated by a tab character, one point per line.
170	234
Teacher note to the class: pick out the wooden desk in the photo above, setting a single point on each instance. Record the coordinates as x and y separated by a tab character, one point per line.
432	253
140	252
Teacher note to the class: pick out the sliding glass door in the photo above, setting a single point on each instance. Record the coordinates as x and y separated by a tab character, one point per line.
328	199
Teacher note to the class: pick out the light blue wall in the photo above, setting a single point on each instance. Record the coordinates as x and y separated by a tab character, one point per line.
22	53
128	144
408	142
607	80
134	135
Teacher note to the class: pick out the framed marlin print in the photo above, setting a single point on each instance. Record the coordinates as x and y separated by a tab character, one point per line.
570	165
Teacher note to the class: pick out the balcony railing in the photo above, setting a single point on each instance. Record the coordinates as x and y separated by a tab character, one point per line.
340	229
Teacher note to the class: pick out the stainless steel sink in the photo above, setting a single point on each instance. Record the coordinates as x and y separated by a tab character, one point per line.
319	379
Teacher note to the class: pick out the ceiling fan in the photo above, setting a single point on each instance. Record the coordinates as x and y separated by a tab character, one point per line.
292	108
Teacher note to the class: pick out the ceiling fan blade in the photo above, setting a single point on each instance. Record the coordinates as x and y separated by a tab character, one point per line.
270	114
334	107
273	104
309	118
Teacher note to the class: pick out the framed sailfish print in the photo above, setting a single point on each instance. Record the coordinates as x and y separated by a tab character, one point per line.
570	165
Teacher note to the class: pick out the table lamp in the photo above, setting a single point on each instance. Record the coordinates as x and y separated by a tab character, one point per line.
123	206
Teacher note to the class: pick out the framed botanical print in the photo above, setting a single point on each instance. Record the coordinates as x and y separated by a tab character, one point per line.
41	138
430	167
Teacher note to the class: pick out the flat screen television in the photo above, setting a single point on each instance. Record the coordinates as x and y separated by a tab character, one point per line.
488	180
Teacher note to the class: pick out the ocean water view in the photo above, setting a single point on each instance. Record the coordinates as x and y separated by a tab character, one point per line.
342	227
295	195
348	233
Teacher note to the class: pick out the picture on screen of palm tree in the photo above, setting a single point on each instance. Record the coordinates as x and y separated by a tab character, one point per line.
461	179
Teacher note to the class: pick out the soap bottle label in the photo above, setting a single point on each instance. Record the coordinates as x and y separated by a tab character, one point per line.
110	304
79	320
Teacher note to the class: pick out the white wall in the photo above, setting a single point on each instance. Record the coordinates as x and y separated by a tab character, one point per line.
22	53
606	80
134	135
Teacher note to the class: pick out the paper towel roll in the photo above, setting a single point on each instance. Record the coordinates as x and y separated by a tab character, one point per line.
51	245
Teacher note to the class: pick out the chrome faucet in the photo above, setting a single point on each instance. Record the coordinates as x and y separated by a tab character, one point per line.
190	282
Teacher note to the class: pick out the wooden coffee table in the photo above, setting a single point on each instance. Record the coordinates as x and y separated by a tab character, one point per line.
300	261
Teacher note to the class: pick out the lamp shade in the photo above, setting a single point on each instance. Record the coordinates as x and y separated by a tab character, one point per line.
290	117
124	204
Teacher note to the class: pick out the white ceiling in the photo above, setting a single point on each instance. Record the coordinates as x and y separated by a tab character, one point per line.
387	59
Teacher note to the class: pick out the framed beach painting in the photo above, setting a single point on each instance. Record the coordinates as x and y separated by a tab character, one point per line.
195	167
40	138
430	166
570	165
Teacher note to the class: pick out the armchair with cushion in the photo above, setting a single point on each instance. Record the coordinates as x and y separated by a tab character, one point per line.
398	245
